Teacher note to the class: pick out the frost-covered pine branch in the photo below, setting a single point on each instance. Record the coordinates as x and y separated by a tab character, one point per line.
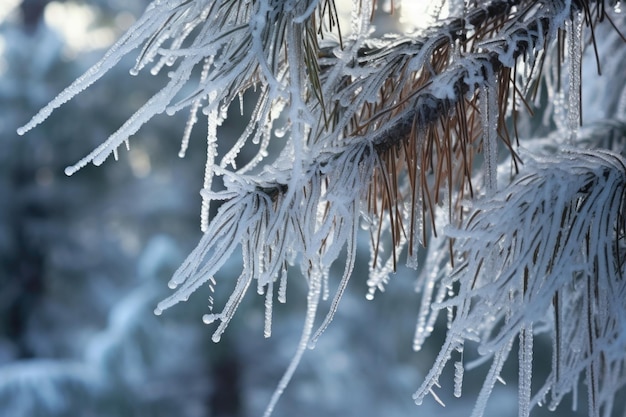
403	134
565	259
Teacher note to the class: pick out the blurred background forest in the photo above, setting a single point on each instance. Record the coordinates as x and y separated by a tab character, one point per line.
84	259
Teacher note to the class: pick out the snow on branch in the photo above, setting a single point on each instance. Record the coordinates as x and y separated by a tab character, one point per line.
562	264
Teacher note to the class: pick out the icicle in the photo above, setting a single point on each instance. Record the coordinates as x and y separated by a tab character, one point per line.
489	117
191	121
458	378
416	210
574	40
449	308
257	254
325	286
282	286
269	295
436	397
458	372
210	159
557	347
525	369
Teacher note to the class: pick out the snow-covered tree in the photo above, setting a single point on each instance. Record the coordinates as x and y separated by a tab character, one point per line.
482	145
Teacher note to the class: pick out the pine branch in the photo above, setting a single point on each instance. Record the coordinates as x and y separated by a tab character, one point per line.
574	204
435	100
395	132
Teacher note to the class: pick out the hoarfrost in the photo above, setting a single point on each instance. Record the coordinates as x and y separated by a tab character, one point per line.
389	131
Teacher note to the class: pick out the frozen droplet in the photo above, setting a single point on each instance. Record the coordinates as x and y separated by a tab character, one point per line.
280	131
158	311
209	318
80	164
